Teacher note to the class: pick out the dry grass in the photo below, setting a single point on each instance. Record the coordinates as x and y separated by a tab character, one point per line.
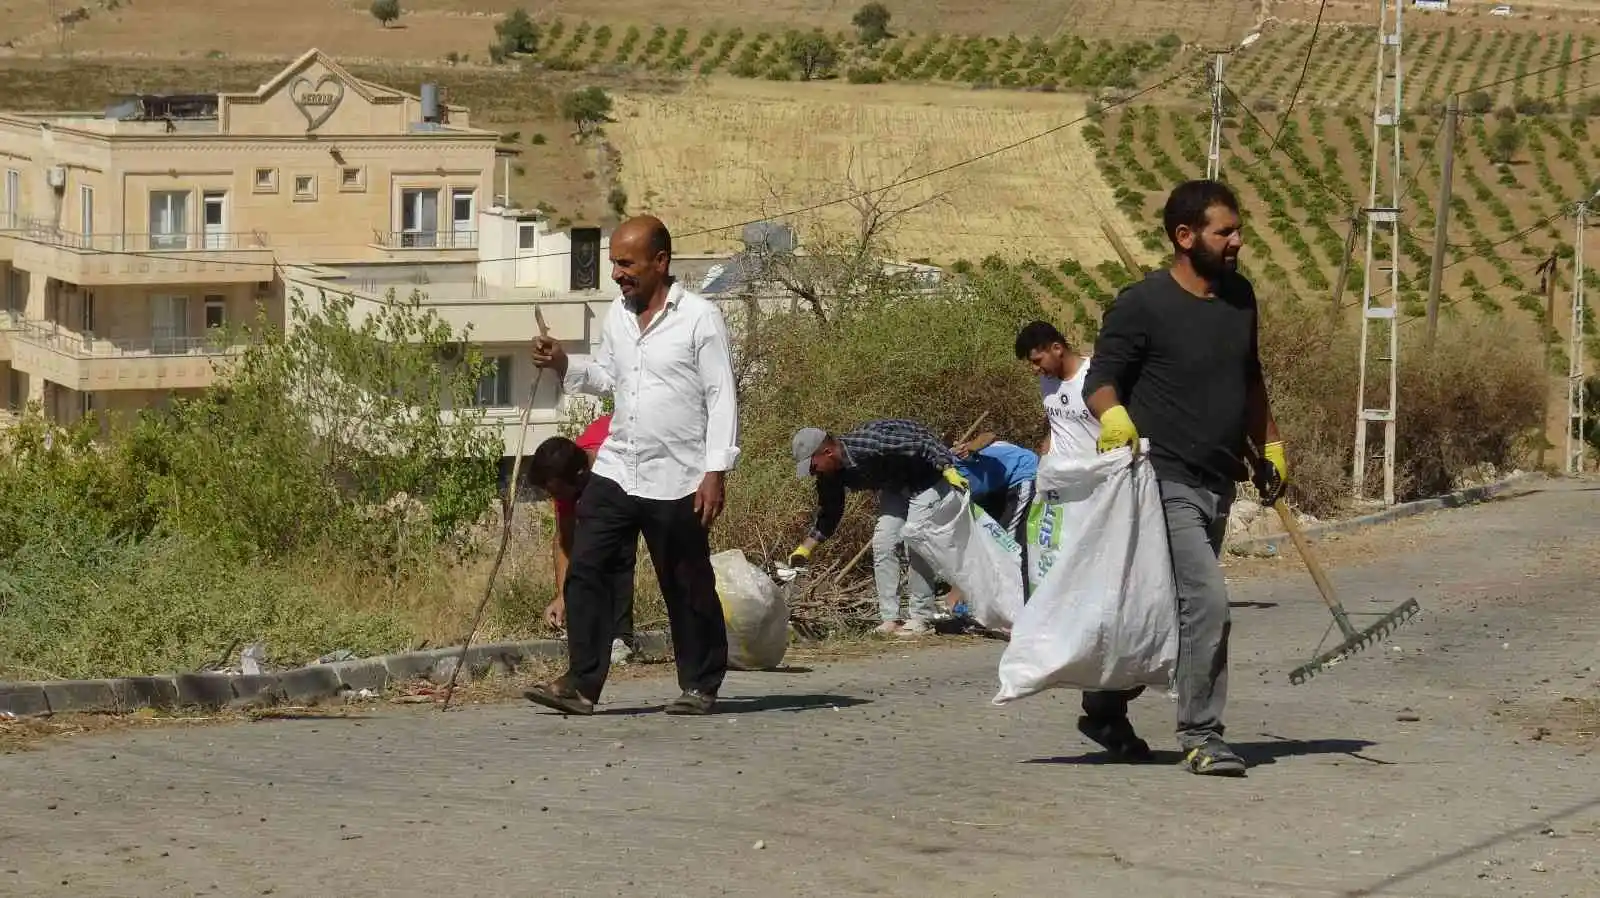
725	151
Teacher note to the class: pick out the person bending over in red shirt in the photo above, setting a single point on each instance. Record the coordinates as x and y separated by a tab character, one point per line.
561	468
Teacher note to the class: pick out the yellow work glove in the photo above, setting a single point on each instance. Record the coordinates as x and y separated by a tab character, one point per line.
1272	477
1116	429
800	557
954	478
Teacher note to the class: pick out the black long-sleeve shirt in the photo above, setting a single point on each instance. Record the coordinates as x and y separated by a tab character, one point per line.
1184	367
880	455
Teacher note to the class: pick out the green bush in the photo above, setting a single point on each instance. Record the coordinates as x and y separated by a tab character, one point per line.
301	500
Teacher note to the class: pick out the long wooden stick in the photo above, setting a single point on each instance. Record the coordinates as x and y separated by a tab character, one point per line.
508	504
856	558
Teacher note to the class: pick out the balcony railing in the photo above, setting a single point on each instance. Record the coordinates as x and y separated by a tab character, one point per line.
426	239
85	345
42	232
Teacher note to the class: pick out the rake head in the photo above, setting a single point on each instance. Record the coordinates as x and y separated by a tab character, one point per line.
1362	640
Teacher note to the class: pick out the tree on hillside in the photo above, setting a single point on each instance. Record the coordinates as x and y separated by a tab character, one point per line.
814	54
385	11
1478	102
516	33
1506	141
872	23
587	109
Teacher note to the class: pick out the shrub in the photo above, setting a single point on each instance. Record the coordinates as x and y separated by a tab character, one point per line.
385	11
865	75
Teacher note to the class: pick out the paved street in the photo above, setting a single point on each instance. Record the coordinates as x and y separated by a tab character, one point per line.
1418	768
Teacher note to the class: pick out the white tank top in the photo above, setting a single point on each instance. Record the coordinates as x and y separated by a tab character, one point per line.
1074	432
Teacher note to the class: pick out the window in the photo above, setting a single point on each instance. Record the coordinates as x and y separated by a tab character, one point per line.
86	213
352	179
214	203
462	226
527	236
13	198
266	180
216	312
305	187
169	324
169	219
419	218
494	388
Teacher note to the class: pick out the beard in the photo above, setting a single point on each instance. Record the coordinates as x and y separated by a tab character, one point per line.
1212	266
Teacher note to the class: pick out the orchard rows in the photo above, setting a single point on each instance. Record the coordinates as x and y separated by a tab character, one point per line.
1438	62
1062	63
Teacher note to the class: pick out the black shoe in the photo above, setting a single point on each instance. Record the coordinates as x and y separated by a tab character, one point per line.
692	702
560	696
1117	737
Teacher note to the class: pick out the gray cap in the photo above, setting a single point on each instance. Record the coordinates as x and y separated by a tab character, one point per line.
806	442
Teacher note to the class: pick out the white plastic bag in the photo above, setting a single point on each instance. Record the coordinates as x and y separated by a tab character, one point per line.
755	610
1104	612
973	553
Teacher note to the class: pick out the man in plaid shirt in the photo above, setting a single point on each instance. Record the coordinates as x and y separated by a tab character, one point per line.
914	473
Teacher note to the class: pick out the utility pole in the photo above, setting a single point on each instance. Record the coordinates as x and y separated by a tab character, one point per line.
1214	154
1576	417
1380	304
1441	227
1547	284
1344	267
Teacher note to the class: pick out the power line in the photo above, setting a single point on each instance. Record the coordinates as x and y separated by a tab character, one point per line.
1304	67
1482	250
1549	68
1313	179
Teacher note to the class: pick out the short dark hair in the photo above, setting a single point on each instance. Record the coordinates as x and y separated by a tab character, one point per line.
1190	201
557	459
1038	335
660	240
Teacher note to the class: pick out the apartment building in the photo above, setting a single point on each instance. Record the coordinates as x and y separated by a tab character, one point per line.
131	238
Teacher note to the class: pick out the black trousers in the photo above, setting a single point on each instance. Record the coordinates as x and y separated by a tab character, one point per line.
622	581
609	525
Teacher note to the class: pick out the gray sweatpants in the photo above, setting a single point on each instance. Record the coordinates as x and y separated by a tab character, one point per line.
1197	520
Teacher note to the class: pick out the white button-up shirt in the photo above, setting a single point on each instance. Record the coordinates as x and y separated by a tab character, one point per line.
676	415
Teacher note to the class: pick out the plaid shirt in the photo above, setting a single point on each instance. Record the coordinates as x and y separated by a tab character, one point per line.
880	455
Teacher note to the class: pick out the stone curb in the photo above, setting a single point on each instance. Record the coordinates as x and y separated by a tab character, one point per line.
312	683
1269	545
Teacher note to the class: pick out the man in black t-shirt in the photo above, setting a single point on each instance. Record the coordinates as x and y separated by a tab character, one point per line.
1176	363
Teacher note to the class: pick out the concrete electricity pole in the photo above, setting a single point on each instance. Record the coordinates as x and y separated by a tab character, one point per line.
1577	417
1214	154
1441	228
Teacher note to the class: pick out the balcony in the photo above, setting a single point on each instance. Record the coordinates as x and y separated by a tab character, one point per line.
85	363
133	259
425	241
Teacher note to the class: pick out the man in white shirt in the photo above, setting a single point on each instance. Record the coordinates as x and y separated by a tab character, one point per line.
1073	430
1075	433
664	356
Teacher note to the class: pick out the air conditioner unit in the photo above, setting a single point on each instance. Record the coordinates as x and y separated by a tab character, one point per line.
57	177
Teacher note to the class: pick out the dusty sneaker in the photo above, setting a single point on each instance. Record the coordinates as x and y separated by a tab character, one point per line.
621	652
1214	758
915	628
887	628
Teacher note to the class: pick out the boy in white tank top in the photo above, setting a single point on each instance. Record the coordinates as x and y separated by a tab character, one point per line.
1074	431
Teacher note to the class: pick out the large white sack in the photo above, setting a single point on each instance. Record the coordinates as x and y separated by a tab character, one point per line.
755	610
1104	612
973	553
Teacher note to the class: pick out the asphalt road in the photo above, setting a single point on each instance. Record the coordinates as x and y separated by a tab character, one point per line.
1452	761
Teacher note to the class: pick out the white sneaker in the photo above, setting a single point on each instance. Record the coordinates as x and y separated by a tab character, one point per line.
621	652
887	628
914	628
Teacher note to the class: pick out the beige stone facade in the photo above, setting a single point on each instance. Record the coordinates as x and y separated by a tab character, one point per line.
131	239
